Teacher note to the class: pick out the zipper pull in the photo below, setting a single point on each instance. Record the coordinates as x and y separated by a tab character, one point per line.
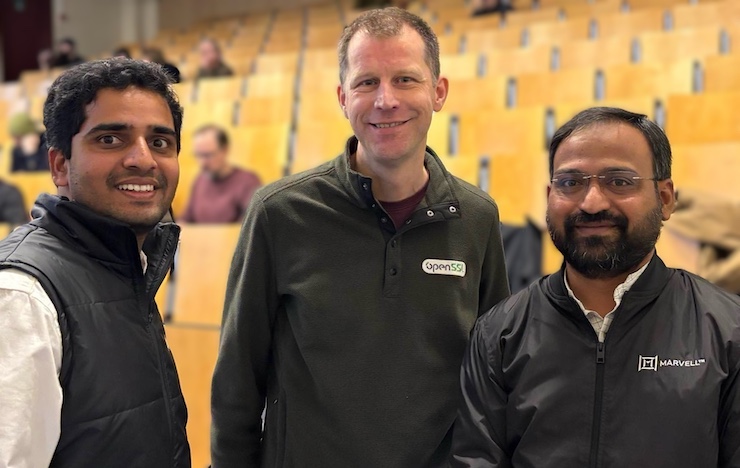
600	353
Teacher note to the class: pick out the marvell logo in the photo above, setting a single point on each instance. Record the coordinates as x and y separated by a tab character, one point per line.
653	363
435	266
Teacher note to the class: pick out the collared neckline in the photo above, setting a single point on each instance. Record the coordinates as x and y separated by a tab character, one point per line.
439	190
645	289
601	324
619	291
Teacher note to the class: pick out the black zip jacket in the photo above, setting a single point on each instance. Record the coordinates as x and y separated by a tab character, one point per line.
661	391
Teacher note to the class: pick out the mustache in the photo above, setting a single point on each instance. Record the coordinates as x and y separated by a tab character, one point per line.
602	216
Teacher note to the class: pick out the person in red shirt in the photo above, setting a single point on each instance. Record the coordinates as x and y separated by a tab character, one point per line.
221	193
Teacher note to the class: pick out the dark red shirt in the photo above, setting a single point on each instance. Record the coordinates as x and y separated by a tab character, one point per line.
223	200
401	210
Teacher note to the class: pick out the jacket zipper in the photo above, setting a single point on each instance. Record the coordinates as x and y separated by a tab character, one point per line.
598	397
160	360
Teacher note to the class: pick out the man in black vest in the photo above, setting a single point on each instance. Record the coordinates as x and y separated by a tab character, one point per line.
78	321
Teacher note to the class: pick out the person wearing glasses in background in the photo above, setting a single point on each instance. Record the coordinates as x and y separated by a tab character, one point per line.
221	193
615	360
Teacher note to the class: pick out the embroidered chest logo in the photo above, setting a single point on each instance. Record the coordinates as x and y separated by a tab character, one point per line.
435	266
653	363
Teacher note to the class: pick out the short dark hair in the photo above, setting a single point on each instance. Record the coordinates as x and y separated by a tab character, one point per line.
69	41
73	90
222	138
656	138
386	23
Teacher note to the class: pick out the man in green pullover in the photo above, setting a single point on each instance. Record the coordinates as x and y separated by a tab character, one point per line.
355	285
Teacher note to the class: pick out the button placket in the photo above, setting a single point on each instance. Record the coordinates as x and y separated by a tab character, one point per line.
392	282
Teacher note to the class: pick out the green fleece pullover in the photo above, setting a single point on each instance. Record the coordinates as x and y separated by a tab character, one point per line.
352	332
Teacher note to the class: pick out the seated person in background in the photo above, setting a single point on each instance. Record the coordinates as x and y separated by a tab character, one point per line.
211	62
45	58
221	192
152	54
29	151
66	54
122	52
12	208
485	7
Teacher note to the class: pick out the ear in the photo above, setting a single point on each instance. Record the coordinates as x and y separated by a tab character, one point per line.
440	93
342	100
667	196
59	166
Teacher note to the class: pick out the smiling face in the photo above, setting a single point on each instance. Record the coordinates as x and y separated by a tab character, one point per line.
602	231
389	96
123	161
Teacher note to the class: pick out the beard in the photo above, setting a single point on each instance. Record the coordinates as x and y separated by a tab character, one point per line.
601	257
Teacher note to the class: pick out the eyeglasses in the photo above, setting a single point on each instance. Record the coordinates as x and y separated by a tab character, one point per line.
613	182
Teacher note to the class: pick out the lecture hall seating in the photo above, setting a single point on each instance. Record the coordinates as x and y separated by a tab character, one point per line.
282	113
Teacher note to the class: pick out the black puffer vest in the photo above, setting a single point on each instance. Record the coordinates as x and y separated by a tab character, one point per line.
123	406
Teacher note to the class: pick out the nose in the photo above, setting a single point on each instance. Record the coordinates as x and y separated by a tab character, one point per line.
140	156
594	200
386	97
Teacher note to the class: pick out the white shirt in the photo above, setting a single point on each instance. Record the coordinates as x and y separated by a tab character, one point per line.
601	324
30	362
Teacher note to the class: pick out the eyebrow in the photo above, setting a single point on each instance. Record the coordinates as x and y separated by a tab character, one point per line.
413	72
108	127
607	169
117	127
163	130
410	71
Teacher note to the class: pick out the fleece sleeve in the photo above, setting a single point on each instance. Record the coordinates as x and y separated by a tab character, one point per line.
240	376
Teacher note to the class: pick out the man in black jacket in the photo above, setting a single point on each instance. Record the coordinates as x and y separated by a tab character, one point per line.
78	321
616	360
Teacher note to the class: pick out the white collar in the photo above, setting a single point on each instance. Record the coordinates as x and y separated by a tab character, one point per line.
619	291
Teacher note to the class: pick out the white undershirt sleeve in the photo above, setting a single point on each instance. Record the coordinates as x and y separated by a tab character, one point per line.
30	361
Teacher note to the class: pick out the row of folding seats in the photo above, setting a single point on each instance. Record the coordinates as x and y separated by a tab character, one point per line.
646	44
457	16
